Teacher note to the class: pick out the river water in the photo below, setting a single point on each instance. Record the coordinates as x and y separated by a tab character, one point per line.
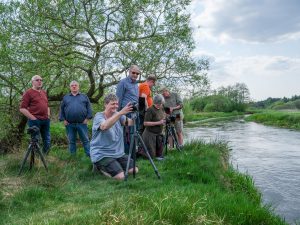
270	155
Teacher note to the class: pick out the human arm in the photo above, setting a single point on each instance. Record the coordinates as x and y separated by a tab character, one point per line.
26	113
108	123
156	123
145	98
179	103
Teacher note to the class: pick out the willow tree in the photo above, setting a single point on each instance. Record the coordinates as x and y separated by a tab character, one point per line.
95	42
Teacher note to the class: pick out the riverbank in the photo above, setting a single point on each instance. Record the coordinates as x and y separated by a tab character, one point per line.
198	186
284	119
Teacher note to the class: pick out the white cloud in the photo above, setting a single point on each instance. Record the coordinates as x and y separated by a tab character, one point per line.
250	21
265	76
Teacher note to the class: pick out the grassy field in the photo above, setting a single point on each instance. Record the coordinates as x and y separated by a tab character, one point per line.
285	119
197	186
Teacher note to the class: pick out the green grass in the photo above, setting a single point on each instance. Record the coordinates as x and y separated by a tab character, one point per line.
198	186
283	119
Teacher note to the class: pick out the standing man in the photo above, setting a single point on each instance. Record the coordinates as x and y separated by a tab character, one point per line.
174	103
107	146
145	92
34	105
127	88
75	111
128	91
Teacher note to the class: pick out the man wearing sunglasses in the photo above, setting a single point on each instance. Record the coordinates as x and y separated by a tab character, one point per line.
34	105
128	91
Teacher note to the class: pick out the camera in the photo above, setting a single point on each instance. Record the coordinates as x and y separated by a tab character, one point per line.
170	119
167	110
34	131
135	106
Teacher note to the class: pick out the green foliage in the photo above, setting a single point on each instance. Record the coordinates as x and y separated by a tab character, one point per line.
198	186
93	42
279	103
277	118
216	103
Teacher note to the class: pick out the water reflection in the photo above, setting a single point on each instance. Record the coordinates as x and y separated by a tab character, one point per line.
270	155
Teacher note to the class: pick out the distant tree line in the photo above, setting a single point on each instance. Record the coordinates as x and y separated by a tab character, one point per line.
225	99
278	103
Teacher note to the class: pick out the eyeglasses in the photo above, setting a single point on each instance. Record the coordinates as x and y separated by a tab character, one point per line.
135	73
38	79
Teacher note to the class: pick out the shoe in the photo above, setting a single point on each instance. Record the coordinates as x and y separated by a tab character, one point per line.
160	158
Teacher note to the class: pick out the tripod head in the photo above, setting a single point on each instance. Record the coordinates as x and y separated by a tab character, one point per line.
34	131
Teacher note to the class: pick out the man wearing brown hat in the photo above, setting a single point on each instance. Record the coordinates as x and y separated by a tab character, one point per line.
174	103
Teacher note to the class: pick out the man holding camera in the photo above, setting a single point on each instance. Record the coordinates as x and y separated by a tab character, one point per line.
75	111
34	105
107	147
174	103
128	91
154	121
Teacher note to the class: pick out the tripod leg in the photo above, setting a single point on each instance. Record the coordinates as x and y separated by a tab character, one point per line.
147	153
37	148
174	137
31	159
166	140
25	158
129	157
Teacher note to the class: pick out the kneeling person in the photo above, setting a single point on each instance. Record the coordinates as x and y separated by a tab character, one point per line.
154	121
107	145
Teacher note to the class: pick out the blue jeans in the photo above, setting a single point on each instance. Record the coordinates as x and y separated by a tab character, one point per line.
82	130
44	126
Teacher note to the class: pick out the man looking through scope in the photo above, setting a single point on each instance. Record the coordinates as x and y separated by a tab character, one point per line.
173	105
107	146
154	121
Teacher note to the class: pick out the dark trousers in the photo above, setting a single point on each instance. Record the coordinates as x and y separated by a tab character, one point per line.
44	126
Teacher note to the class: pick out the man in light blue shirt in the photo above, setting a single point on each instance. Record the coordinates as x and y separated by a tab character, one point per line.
127	88
128	91
107	146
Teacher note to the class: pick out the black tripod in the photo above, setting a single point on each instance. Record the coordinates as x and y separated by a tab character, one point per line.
136	139
33	148
170	132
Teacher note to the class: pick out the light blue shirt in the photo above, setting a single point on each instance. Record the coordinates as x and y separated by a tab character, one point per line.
106	143
127	91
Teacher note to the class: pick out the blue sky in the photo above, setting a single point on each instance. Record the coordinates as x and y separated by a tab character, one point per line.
256	42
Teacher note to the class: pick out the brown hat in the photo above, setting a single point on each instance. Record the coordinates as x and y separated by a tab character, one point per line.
163	88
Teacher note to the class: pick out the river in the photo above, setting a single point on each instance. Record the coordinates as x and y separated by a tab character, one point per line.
270	155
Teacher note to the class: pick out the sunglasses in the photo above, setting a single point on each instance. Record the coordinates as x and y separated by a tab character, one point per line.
135	73
38	79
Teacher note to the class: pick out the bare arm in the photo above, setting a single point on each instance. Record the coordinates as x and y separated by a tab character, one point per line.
26	113
156	123
114	118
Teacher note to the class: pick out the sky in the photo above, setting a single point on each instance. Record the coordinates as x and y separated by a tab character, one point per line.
256	42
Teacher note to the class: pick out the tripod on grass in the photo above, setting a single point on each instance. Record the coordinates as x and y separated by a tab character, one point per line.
33	149
170	132
135	140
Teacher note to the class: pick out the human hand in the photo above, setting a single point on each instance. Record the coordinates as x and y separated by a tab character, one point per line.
127	108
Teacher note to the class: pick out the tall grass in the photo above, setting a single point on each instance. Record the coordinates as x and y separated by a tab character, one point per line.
198	186
277	118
